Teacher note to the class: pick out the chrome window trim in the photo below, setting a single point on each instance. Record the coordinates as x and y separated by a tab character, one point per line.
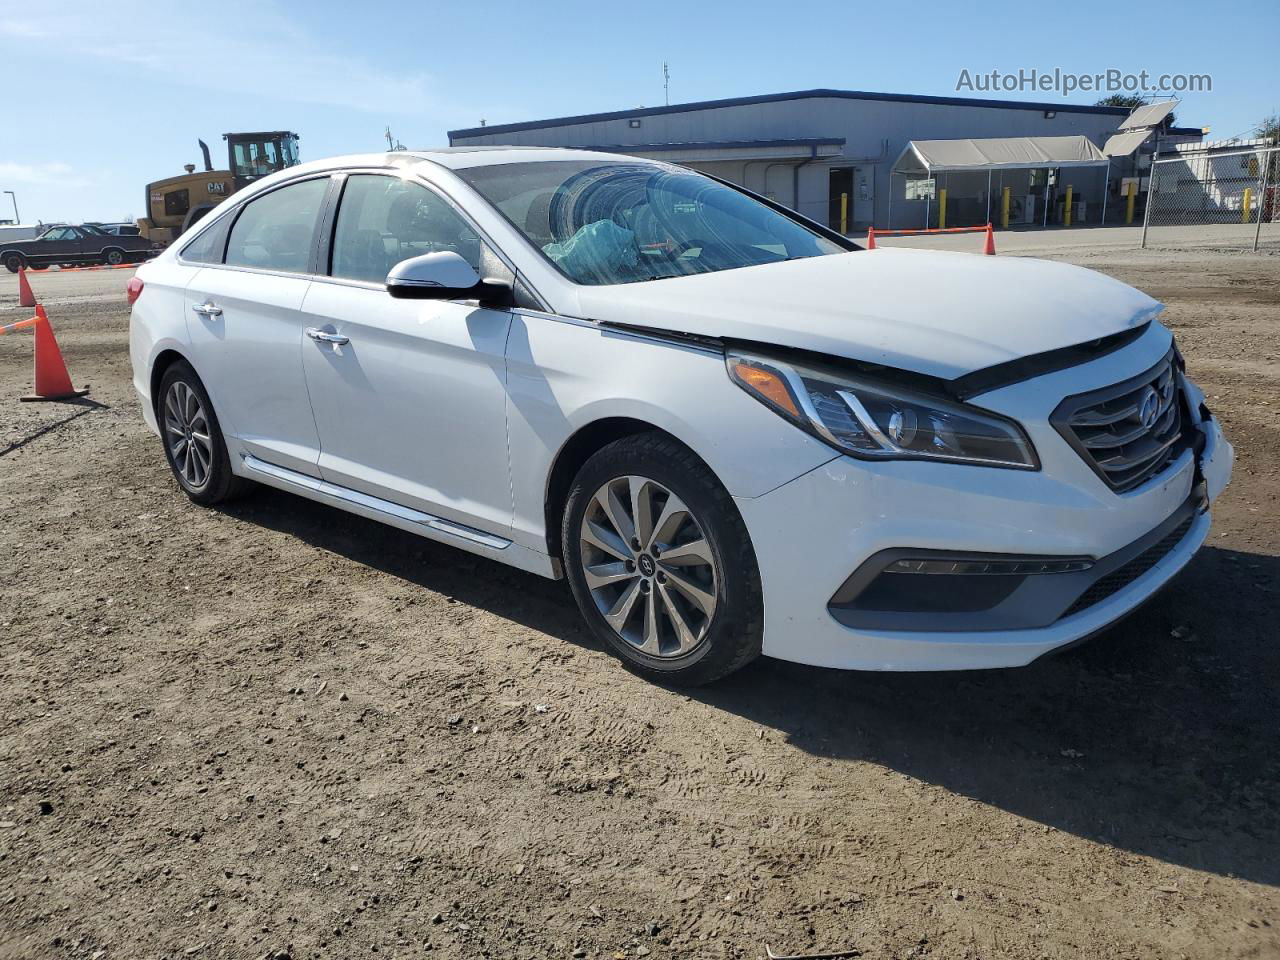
255	270
234	209
404	171
232	206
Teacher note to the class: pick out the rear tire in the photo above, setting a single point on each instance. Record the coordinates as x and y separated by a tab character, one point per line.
660	562
192	438
114	257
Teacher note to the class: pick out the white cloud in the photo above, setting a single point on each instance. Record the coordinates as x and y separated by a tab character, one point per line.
59	174
22	28
267	53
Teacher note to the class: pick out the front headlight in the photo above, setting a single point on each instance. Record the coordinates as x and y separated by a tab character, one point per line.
871	419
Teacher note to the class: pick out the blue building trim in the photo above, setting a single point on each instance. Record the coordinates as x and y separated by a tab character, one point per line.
713	145
780	98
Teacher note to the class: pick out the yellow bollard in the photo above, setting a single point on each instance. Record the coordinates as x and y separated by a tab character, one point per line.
1066	208
844	214
942	209
1247	206
1129	201
1004	208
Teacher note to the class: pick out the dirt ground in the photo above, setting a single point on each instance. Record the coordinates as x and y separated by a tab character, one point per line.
276	730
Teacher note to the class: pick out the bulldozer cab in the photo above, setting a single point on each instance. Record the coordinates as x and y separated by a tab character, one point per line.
251	156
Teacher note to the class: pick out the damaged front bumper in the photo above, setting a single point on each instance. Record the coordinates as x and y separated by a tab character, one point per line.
1133	546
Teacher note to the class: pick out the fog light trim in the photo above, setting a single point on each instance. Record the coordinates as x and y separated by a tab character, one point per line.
1019	568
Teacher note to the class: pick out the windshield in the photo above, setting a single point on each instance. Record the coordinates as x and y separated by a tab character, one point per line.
620	222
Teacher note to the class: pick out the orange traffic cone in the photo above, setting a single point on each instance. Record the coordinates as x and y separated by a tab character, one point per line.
990	249
52	380
25	297
871	238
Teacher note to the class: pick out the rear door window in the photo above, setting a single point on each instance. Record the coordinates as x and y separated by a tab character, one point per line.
277	230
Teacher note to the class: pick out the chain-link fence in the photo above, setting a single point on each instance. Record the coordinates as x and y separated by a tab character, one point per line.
1227	198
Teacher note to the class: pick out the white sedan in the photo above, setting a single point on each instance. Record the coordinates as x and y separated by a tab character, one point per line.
733	431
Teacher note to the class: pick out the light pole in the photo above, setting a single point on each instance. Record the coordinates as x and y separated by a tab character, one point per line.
17	218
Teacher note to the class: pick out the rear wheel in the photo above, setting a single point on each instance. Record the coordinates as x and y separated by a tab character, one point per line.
193	442
14	262
660	562
114	257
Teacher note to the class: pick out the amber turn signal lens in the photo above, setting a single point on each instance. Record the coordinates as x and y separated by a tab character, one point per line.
767	384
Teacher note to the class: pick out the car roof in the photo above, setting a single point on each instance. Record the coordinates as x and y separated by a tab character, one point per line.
457	158
454	158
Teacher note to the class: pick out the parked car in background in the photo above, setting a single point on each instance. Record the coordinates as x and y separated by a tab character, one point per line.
730	428
73	246
118	229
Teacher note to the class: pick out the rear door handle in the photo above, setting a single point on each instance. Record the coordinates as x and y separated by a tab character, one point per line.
323	336
207	309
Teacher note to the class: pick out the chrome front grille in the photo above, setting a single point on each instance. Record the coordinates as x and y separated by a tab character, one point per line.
1128	432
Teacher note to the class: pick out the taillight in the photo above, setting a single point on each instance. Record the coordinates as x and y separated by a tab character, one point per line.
133	290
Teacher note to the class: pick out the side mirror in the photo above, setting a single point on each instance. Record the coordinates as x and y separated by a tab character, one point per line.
443	276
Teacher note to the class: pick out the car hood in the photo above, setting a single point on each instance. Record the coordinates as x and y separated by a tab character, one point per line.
932	312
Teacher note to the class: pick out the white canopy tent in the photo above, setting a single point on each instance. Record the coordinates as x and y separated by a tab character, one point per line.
925	159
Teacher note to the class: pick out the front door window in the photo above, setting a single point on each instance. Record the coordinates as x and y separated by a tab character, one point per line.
384	220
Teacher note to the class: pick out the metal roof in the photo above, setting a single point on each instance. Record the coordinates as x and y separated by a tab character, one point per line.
818	94
1123	144
1148	115
788	142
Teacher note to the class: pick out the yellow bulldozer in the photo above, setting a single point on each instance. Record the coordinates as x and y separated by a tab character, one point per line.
176	203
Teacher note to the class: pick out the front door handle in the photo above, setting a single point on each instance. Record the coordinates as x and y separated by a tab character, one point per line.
323	336
207	309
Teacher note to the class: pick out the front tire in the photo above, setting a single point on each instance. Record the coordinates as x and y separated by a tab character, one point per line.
14	262
192	439
660	562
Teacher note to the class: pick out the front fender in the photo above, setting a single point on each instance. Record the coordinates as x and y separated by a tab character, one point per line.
563	376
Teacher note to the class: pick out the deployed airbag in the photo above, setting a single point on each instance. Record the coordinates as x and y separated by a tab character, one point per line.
598	248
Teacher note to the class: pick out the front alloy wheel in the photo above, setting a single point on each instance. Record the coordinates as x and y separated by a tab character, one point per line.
660	561
648	566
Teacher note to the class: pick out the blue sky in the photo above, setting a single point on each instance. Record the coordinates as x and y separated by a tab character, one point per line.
114	95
